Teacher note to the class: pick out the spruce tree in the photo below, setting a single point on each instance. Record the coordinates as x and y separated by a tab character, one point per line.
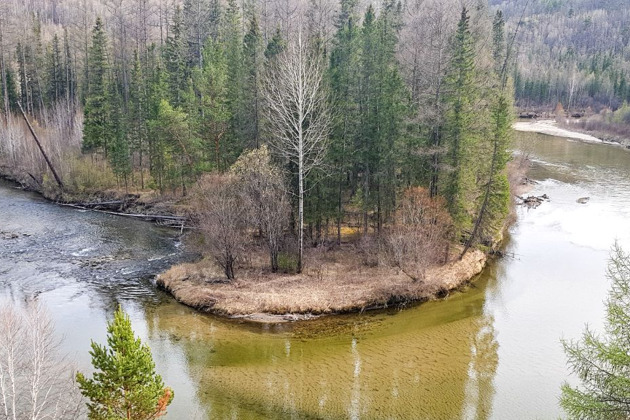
252	62
460	134
344	80
138	115
233	42
275	46
175	60
124	384
95	123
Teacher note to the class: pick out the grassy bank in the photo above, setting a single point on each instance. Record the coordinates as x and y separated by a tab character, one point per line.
335	281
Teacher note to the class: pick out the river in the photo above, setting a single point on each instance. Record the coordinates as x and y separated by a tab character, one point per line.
491	352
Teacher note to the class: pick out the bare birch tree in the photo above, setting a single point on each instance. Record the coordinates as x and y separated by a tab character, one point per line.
35	381
298	115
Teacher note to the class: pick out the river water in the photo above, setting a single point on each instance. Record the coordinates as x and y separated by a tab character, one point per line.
492	352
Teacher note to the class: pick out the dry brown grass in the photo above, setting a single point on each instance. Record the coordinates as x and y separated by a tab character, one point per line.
333	282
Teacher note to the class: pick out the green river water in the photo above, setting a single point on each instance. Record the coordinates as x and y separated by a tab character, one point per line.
491	352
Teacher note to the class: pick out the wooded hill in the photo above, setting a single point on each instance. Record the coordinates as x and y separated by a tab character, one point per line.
357	103
575	52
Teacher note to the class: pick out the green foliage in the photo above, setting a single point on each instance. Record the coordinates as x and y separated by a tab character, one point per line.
96	124
601	362
175	60
174	148
461	134
275	45
124	384
287	263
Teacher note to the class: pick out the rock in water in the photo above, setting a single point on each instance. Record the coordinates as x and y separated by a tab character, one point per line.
583	200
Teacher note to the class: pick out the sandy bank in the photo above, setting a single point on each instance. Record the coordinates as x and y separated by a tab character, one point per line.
550	128
331	284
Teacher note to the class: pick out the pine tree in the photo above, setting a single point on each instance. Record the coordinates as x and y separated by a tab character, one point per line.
124	384
498	41
95	123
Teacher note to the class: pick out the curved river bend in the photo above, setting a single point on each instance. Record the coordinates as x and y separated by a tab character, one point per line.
492	352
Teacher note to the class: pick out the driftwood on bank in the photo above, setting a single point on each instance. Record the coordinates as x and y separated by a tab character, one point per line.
165	220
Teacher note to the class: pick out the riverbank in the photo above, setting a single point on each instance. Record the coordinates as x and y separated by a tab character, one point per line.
575	129
334	282
551	128
145	205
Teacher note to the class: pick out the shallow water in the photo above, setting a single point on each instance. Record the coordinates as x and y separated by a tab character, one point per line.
492	352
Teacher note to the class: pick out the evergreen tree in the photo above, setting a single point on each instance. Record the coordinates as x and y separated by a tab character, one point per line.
124	384
343	75
601	361
461	135
118	146
55	73
498	41
215	113
381	108
232	40
95	123
138	115
174	150
175	60
275	45
252	62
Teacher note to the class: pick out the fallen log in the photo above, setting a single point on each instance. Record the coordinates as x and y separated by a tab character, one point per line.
41	149
177	221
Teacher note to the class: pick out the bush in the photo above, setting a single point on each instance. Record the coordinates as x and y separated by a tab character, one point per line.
220	211
419	238
287	263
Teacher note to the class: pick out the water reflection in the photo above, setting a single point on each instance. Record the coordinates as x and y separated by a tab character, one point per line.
385	365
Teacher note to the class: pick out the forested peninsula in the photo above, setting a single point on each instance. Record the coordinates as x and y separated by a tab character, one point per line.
327	156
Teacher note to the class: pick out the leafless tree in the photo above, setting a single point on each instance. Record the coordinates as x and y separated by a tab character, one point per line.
420	236
298	115
35	381
221	216
265	195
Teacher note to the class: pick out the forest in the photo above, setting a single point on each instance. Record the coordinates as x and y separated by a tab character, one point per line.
331	117
575	52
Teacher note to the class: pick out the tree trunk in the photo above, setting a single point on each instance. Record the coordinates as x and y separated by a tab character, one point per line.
300	211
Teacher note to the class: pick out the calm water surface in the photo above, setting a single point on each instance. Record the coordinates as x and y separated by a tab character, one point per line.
492	352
